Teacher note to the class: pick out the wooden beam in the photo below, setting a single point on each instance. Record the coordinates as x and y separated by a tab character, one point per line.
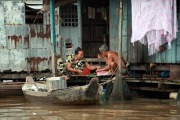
59	3
21	76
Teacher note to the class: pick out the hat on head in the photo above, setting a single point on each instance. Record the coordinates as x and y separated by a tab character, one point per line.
103	48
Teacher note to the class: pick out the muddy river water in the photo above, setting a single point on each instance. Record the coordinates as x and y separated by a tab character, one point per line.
18	108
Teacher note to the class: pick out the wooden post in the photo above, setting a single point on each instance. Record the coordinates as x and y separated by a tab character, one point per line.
63	50
120	37
53	37
79	23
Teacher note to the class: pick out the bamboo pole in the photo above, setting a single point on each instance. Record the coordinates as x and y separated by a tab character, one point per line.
120	37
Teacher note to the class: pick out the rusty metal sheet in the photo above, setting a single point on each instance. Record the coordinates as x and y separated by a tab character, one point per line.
40	47
17	36
13	11
3	42
26	48
2	15
23	47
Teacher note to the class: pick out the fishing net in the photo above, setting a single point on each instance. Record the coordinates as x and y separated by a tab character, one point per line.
120	90
178	97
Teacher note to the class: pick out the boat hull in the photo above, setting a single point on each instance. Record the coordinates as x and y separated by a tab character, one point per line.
76	95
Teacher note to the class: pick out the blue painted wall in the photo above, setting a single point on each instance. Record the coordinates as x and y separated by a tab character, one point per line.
113	24
73	32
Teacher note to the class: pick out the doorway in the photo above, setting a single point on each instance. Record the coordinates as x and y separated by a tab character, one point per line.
95	26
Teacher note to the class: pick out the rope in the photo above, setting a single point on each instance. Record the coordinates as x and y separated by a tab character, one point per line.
36	17
110	77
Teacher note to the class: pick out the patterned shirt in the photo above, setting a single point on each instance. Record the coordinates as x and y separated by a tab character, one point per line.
80	64
62	67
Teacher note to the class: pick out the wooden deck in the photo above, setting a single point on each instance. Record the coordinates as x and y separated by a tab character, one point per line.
142	84
10	89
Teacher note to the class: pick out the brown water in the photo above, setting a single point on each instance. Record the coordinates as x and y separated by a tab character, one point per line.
18	108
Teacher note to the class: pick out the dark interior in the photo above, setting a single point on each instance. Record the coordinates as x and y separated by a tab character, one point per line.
95	30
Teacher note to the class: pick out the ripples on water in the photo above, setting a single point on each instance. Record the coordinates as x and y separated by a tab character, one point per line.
18	108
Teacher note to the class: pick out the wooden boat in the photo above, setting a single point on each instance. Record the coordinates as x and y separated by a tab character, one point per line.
75	95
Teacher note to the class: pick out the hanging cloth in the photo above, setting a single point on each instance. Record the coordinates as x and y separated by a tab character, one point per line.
154	22
91	12
102	11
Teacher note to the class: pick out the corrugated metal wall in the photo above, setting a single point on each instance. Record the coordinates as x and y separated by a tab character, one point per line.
138	53
23	47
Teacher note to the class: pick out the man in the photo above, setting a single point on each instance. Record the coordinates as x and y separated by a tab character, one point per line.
112	60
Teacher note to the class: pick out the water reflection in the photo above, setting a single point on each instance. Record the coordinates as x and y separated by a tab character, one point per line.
18	108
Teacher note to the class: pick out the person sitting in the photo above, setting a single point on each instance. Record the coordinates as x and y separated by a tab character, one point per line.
112	60
76	63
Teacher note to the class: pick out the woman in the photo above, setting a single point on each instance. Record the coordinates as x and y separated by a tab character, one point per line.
76	63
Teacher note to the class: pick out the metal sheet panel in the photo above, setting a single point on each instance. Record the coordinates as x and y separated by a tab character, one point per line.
3	42
24	52
40	47
2	15
13	11
23	47
17	36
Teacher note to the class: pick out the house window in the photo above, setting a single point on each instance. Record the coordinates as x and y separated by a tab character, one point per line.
69	15
31	13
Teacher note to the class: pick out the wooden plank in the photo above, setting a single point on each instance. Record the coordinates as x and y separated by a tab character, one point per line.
19	76
154	80
138	67
174	71
153	89
11	92
95	59
161	68
59	3
10	87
